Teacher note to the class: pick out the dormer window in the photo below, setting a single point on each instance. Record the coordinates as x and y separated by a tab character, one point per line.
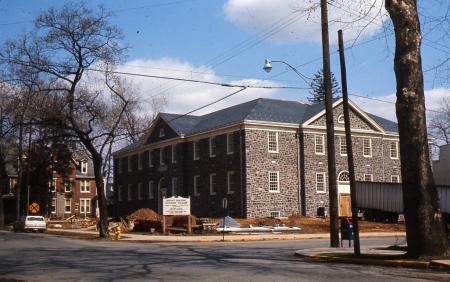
162	133
341	119
84	167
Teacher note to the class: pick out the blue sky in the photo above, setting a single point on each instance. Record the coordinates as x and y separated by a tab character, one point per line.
185	38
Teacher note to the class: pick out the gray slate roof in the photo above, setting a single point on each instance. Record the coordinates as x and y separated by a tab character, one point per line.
262	109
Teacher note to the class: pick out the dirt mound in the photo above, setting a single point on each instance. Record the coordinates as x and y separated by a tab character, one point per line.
144	214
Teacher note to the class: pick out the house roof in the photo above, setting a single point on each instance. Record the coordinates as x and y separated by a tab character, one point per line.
262	109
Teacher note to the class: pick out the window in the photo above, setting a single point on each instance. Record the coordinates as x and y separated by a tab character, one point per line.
53	206
84	167
212	147
212	184
129	196
119	194
162	133
230	182
120	163
344	176
174	154
161	156
367	147
151	190
320	182
343	145
196	185
84	186
368	177
196	150
341	119
67	205
272	139
274	183
174	187
319	144
394	149
395	178
130	168
150	162
274	214
52	185
230	143
67	186
139	157
140	191
85	206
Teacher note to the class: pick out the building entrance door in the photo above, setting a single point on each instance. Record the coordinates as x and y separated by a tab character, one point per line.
344	205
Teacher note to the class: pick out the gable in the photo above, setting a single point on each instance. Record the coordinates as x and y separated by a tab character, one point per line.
160	127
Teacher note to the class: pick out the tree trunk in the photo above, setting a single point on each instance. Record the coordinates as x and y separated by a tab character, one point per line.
424	224
101	197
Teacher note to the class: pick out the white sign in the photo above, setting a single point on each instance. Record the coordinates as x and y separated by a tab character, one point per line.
176	206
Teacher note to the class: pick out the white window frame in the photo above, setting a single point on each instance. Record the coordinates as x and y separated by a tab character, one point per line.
150	161
87	208
196	185
212	146
85	183
129	192
84	167
68	184
174	187
342	145
174	153
272	141
139	157
140	192
53	185
275	214
397	177
395	157
53	205
130	165
151	190
341	119
65	205
230	175
119	193
324	176
230	143
276	182
369	147
195	150
162	132
211	184
322	144
161	156
370	176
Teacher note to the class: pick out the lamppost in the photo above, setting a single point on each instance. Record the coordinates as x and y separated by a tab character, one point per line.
268	67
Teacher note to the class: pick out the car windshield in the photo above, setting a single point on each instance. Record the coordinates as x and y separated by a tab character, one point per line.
35	218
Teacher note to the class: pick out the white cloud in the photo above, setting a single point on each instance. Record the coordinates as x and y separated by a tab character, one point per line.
186	96
352	16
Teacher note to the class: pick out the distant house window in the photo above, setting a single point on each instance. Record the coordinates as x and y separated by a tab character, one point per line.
151	190
129	192
174	154
84	167
230	182
395	178
140	191
130	168
84	186
367	147
150	162
174	187
68	186
196	185
139	156
319	144
53	206
212	147
196	150
341	119
162	133
272	140
343	145
368	177
67	205
394	149
85	206
120	163
119	194
274	214
274	182
212	184
52	185
230	143
161	156
320	182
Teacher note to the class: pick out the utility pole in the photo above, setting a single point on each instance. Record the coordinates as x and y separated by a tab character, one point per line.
348	141
332	187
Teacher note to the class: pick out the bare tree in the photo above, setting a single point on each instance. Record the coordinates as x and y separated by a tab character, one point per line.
440	123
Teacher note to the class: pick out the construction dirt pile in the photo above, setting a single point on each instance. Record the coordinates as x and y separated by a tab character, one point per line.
145	214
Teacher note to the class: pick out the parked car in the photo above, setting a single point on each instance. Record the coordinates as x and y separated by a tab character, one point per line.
30	223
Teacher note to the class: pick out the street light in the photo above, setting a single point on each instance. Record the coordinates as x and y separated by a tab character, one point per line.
268	67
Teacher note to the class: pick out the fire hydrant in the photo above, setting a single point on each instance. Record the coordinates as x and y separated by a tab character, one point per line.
117	232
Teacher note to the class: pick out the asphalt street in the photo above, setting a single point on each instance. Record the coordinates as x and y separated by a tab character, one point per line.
43	257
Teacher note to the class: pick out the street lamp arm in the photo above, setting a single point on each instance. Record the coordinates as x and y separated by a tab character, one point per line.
268	68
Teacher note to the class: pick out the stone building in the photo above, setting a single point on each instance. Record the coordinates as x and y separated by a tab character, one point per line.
441	166
267	157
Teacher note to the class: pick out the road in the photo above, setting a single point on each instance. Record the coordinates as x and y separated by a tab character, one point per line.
43	257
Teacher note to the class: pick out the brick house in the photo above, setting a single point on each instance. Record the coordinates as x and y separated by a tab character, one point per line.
267	157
